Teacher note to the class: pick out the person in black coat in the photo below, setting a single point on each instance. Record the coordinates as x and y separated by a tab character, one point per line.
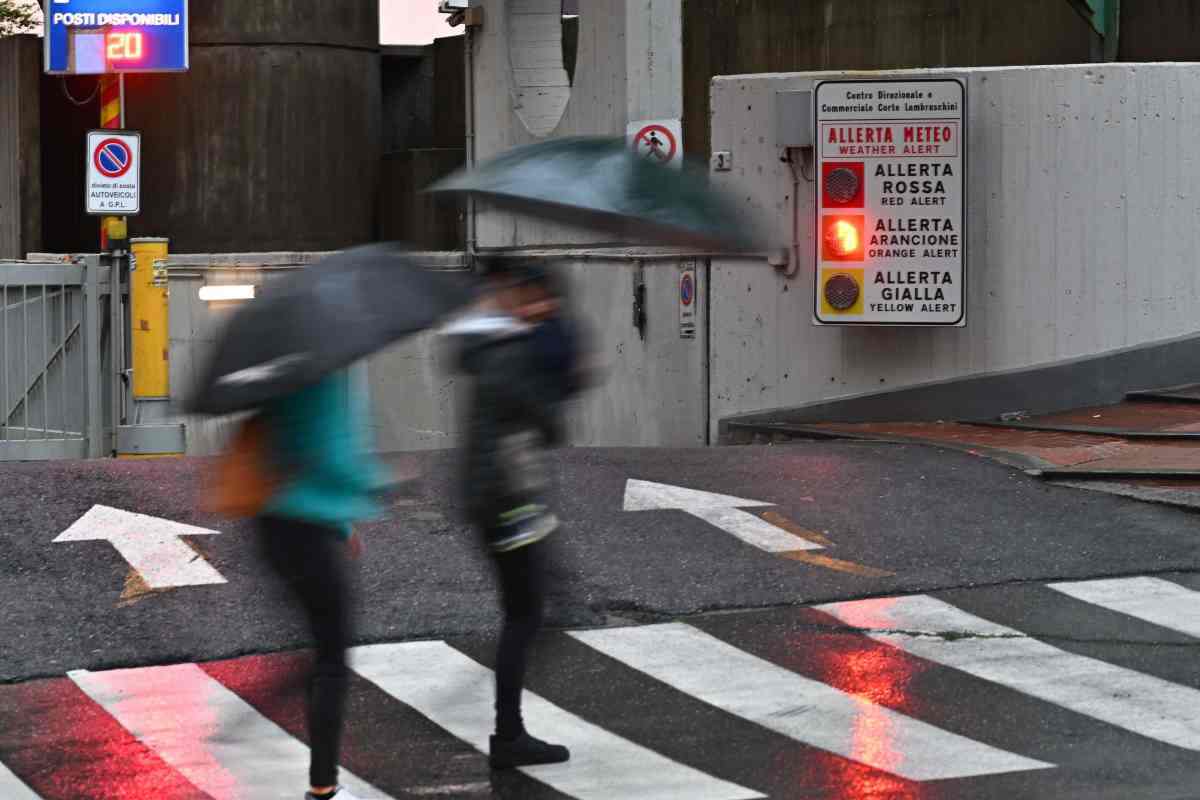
523	357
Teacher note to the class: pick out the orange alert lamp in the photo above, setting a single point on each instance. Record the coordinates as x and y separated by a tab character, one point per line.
842	237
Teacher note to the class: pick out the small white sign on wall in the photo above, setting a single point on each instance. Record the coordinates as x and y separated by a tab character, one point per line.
114	171
658	140
687	300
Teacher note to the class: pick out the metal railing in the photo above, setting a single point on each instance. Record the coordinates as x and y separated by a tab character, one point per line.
53	320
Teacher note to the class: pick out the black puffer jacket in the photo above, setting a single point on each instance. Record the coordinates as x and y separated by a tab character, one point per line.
514	413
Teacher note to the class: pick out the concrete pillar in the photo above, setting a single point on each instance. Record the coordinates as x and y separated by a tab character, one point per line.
20	146
628	68
653	59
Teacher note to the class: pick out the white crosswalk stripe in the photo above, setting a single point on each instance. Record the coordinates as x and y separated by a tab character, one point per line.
798	707
206	732
11	787
1153	600
456	693
1118	696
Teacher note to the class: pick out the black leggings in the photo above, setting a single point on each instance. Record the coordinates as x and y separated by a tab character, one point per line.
311	559
522	594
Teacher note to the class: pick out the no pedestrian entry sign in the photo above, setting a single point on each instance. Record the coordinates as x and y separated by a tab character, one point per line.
657	140
114	167
890	211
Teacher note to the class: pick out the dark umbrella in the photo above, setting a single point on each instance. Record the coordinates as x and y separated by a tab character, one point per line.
323	318
598	182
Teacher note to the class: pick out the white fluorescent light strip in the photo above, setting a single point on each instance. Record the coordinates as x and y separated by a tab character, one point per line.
233	292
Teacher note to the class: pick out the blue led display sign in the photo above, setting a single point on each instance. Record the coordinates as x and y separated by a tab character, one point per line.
87	37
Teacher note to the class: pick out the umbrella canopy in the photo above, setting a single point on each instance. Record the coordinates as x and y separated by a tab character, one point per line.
599	182
323	318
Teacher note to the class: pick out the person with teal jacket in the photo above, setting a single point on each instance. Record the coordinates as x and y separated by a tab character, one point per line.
317	443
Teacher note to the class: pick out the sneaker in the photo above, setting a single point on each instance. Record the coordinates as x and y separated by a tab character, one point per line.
524	751
342	793
521	527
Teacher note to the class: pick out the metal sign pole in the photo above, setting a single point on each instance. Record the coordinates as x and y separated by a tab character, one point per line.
121	123
111	117
94	429
113	235
124	267
116	342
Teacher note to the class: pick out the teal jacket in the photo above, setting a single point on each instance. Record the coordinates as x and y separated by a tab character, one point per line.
318	437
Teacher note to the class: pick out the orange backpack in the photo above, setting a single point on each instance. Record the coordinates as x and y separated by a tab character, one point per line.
243	479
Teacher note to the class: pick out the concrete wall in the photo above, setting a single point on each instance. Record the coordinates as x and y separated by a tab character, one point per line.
406	213
654	394
424	136
20	147
1084	229
628	67
193	327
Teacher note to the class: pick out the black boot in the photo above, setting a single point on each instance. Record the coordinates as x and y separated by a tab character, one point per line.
524	751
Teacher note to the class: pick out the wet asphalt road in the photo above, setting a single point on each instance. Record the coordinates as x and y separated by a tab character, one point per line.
938	520
965	530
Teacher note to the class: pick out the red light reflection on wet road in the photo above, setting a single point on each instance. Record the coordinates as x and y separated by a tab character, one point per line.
879	677
64	746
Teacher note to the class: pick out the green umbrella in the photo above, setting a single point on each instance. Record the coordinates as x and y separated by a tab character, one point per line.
598	182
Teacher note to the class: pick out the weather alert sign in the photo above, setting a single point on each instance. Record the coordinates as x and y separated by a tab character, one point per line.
114	168
890	215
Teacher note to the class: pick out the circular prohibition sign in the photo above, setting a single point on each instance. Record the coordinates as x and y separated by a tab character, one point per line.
687	289
112	158
657	142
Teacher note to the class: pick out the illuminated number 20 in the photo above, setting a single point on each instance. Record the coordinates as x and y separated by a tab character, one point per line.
124	46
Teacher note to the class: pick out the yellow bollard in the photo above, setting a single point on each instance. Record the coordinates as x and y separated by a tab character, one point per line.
148	316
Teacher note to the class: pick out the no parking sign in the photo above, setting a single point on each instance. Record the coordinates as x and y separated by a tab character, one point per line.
114	169
687	300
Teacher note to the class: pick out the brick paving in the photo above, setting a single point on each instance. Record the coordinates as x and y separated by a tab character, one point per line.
1064	449
1050	448
1132	416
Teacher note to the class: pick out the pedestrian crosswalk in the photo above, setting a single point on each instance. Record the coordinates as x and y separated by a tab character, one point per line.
1140	703
797	707
12	787
224	747
456	693
1153	600
200	732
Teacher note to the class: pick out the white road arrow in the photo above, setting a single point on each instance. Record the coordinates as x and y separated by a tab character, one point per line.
151	545
716	509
